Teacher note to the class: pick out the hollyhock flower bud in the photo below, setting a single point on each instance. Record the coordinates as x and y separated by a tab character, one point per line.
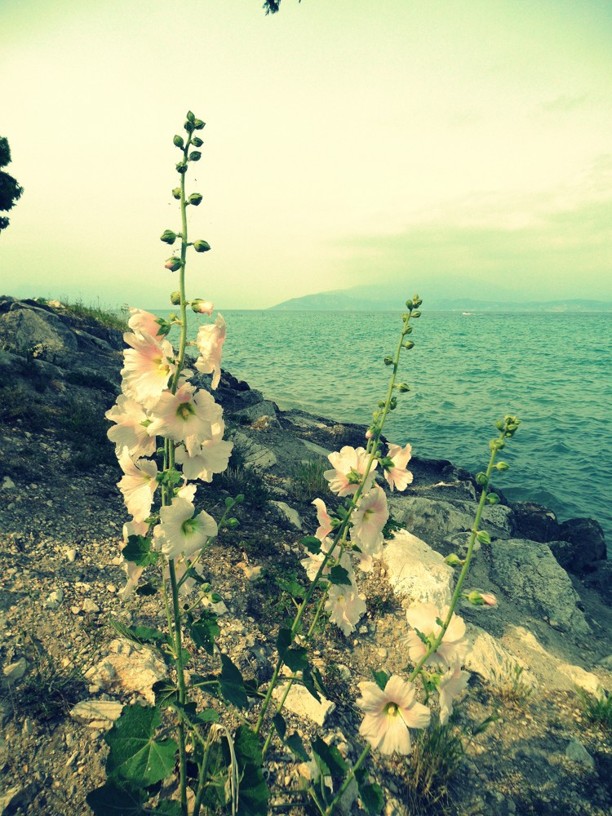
175	298
176	193
478	598
179	141
201	246
181	167
197	142
195	199
202	306
198	124
168	236
453	560
173	264
195	155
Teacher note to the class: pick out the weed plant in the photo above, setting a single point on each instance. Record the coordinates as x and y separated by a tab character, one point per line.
597	708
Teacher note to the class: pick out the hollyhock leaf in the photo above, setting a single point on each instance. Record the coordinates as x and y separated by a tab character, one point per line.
232	684
312	544
381	678
205	630
310	682
283	641
165	693
280	725
138	550
370	793
139	634
296	658
147	589
209	715
335	765
253	797
295	744
114	799
169	807
339	576
134	753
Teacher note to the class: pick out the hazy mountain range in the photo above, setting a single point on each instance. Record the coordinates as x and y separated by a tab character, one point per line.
378	299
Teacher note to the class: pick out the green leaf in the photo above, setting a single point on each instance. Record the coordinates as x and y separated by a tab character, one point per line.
312	544
114	799
253	797
165	693
134	753
283	641
205	630
232	684
147	589
295	744
370	793
296	659
380	678
169	807
339	576
208	715
280	725
138	550
334	764
139	634
291	587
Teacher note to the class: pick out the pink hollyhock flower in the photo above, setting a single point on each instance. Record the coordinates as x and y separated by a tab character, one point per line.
130	430
390	713
209	457
345	606
450	686
148	367
394	466
325	523
144	322
349	468
210	339
424	617
137	485
179	532
369	519
132	570
186	416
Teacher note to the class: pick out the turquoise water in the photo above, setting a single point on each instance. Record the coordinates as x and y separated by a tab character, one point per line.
551	370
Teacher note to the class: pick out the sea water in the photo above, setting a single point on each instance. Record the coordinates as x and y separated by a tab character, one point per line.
466	371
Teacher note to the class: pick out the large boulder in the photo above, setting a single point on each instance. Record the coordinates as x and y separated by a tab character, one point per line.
534	522
417	572
439	522
529	575
587	545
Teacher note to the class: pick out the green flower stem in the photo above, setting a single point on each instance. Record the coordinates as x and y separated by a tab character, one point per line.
340	538
332	805
466	565
180	671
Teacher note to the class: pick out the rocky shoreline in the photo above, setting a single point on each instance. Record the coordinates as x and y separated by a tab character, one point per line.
61	518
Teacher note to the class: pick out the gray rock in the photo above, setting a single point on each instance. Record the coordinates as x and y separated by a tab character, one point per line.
8	483
576	752
15	671
587	544
254	412
301	702
54	599
255	455
97	713
437	521
529	575
534	522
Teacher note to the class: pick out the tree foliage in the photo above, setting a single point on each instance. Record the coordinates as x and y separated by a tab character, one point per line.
272	6
10	190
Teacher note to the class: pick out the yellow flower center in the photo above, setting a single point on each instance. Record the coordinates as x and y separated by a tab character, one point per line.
391	710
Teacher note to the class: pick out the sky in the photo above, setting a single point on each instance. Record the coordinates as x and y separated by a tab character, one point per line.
347	142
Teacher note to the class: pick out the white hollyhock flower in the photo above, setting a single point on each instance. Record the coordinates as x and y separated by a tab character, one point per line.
138	484
368	521
345	606
187	416
395	466
390	713
349	467
450	686
180	533
424	617
209	340
148	367
130	430
209	457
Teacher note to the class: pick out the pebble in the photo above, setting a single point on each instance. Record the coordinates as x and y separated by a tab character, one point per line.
8	483
111	588
576	752
15	671
70	554
54	599
90	606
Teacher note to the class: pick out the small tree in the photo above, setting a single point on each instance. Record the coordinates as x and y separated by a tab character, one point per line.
10	190
272	6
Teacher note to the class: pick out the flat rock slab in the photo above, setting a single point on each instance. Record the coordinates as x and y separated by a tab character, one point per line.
97	713
129	668
301	702
416	571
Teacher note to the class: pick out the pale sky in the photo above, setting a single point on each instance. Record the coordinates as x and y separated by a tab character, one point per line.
348	142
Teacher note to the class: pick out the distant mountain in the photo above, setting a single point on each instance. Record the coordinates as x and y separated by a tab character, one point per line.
371	299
